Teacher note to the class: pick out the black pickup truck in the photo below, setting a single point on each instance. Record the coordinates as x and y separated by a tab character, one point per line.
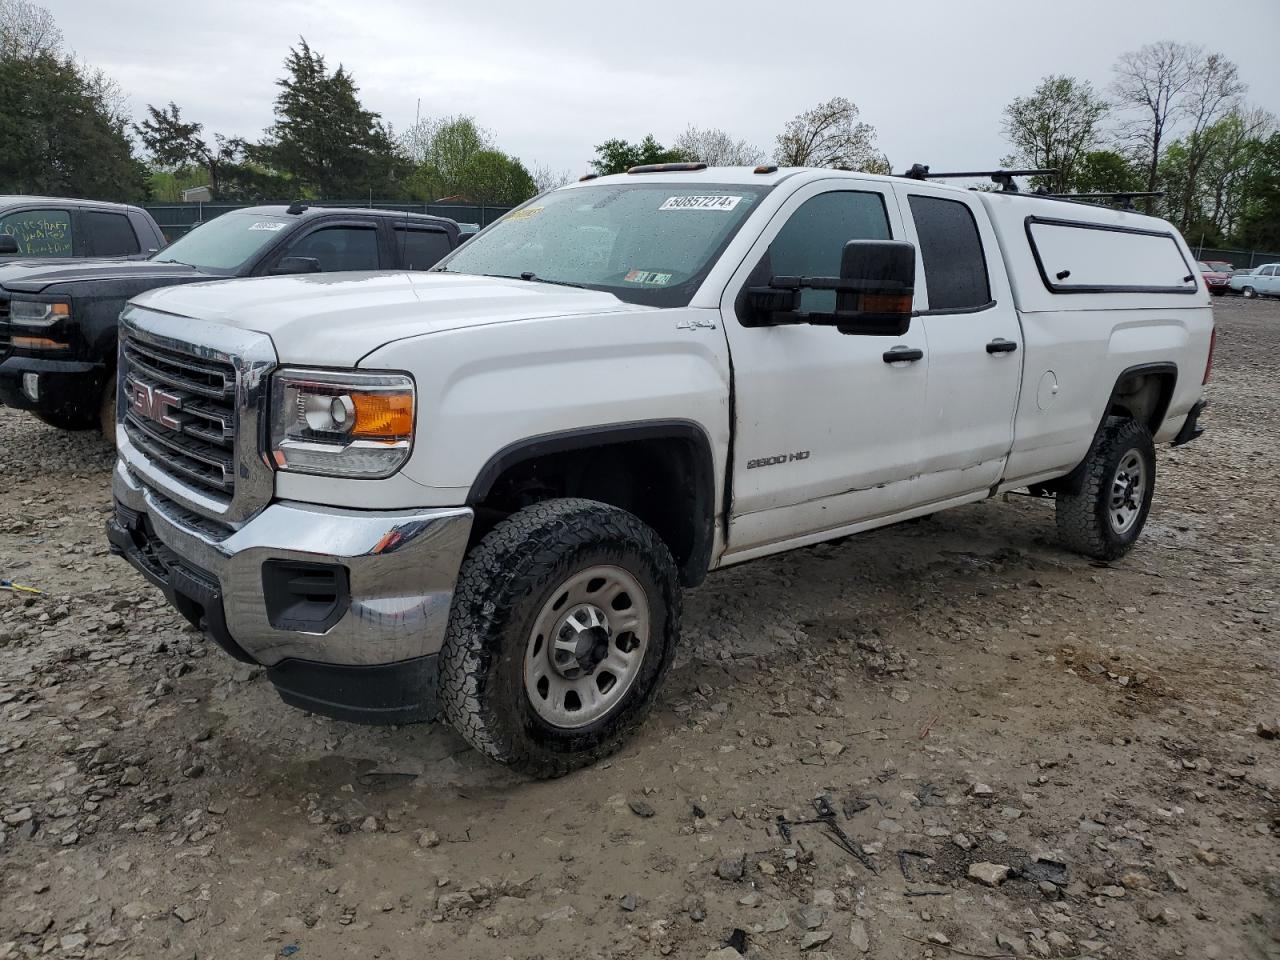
58	321
57	228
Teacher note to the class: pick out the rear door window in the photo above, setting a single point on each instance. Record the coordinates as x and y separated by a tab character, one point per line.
1077	257
40	233
109	234
340	248
421	249
955	266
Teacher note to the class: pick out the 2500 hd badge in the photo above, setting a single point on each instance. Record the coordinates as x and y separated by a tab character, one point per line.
780	458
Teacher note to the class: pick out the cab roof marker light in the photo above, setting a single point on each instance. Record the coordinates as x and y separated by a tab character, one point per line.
667	167
587	176
766	168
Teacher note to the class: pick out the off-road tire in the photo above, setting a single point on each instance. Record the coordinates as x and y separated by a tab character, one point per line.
504	582
1084	521
107	411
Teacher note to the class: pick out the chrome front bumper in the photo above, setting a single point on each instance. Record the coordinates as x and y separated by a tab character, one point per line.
402	567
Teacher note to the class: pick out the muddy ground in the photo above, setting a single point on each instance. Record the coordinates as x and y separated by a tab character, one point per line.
963	690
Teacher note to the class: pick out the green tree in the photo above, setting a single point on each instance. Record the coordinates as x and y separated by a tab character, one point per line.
1105	171
619	156
59	136
323	137
174	143
830	135
1053	128
1259	226
492	177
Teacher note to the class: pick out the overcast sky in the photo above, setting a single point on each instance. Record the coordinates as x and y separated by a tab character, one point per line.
553	78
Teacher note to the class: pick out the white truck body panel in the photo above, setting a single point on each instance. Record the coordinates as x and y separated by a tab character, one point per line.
811	433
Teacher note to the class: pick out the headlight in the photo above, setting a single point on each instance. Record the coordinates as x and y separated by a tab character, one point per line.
341	423
32	313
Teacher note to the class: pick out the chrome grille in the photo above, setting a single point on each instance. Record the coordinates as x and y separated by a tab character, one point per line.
180	413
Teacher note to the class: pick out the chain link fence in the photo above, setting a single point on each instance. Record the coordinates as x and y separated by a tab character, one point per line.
176	219
1240	259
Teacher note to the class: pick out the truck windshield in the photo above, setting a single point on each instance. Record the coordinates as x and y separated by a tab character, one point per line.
223	244
649	243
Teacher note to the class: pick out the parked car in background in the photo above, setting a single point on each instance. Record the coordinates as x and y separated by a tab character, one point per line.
58	321
60	229
1263	281
1217	281
1221	266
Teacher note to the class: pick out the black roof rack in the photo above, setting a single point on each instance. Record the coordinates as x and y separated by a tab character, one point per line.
920	171
1120	198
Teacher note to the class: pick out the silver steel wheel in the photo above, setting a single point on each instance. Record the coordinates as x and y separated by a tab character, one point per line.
1128	492
1249	292
586	646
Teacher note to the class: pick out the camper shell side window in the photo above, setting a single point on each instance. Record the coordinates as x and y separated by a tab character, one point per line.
1078	257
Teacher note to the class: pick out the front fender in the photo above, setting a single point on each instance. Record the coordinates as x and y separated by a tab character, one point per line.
484	389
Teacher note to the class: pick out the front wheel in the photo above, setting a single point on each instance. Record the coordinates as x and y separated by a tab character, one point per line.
1248	292
564	622
1105	517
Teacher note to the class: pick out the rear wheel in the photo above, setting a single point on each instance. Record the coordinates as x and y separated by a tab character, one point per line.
1104	519
564	622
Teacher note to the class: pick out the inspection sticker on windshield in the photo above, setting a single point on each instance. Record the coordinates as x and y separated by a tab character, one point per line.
700	203
524	214
269	225
648	276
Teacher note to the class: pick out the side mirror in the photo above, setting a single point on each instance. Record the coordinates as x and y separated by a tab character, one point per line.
293	265
878	280
873	292
9	244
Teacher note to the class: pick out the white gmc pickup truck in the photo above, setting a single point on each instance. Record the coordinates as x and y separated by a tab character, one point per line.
477	492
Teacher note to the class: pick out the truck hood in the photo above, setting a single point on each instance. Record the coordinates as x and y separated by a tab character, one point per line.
37	276
337	318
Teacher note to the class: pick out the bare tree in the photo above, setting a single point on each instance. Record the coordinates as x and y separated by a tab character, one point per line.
27	30
544	178
1152	82
716	148
830	135
1214	92
1054	127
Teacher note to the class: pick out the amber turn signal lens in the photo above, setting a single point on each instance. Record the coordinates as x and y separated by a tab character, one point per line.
39	343
382	415
885	303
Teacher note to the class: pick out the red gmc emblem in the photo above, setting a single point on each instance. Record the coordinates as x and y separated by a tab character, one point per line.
152	403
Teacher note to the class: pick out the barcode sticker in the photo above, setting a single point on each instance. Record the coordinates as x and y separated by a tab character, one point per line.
724	203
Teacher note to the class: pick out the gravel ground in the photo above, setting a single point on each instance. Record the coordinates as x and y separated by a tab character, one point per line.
1030	754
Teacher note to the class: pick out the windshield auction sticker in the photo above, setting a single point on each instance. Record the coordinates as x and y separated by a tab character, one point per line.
700	203
271	226
524	214
648	276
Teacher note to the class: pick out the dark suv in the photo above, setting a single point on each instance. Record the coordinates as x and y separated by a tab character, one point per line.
61	229
58	321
